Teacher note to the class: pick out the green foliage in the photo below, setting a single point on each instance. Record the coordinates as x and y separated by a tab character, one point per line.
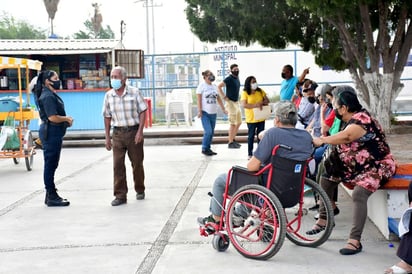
10	28
317	25
104	33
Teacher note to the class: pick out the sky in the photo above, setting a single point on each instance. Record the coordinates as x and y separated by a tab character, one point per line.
171	29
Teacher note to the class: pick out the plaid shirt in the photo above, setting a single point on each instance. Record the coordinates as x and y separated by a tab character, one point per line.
124	110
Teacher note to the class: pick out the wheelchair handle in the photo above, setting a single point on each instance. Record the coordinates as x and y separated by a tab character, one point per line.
285	147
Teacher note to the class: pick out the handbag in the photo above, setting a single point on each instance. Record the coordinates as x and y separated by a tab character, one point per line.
9	129
332	163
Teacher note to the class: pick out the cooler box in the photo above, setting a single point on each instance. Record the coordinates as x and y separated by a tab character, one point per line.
9	103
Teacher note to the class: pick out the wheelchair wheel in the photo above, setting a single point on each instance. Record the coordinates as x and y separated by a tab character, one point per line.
255	222
220	242
300	219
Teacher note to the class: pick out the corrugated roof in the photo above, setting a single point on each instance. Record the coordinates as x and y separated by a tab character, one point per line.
58	46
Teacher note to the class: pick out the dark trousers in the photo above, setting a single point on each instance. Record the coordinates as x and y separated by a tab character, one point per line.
123	142
253	130
405	245
51	137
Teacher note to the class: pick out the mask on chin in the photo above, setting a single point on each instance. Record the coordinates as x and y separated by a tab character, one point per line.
312	100
337	115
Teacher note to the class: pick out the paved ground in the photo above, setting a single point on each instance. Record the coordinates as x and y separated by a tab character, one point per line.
159	234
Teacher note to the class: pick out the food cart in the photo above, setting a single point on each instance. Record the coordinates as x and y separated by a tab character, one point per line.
21	114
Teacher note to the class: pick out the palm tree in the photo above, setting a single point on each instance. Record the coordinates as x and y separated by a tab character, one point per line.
51	7
96	19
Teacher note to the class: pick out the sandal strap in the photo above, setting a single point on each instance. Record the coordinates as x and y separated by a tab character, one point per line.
356	248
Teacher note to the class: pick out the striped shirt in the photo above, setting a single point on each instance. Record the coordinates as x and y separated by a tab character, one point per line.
124	110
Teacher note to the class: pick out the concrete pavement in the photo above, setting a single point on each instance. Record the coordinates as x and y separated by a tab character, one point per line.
156	235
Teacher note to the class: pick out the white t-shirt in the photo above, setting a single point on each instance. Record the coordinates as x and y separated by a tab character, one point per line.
209	97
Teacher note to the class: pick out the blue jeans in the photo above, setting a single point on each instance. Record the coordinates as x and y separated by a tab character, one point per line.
208	123
253	129
218	190
51	137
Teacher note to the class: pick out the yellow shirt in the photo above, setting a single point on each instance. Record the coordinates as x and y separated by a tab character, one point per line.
253	98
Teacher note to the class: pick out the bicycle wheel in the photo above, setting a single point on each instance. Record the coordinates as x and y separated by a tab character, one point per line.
28	150
300	219
255	222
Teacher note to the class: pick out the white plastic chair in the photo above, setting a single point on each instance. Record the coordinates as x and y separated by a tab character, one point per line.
179	101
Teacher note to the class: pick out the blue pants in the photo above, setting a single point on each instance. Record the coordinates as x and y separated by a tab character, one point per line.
51	137
208	123
253	129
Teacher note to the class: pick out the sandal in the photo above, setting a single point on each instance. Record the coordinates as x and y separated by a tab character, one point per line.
316	229
349	251
396	270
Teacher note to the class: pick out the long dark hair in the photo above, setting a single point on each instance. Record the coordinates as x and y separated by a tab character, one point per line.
247	87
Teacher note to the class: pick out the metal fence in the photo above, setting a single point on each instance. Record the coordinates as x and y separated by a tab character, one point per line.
165	72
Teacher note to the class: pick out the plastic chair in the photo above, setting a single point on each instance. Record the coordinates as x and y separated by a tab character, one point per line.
179	101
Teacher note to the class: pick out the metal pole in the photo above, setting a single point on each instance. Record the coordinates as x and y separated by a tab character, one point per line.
147	27
153	26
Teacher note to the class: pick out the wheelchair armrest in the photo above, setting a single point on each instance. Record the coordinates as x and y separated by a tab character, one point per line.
243	170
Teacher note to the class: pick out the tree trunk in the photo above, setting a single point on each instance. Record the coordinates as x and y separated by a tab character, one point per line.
382	90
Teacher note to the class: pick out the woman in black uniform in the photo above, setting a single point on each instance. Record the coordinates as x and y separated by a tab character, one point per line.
52	129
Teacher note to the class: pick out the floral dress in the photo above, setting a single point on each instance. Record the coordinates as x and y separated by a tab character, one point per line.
367	161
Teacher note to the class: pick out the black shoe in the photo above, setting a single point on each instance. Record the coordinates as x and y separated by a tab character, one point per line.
208	152
315	207
348	251
118	201
237	144
233	145
316	229
140	196
53	199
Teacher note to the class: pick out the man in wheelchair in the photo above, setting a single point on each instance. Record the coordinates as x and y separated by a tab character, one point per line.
283	133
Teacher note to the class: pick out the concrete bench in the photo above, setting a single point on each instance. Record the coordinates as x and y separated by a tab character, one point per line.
387	204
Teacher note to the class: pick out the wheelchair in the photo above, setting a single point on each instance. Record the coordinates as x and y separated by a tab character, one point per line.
260	209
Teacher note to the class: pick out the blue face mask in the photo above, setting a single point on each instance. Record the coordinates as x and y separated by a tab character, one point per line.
116	83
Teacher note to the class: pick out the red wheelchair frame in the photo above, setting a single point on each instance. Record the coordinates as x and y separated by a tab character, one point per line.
266	221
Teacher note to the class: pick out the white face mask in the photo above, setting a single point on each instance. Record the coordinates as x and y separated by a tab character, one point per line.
253	86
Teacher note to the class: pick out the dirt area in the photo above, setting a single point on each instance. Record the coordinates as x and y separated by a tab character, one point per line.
401	146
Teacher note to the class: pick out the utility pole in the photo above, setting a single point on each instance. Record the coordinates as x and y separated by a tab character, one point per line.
147	6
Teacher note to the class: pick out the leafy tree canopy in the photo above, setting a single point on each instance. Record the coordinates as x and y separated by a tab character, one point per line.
367	37
90	33
10	28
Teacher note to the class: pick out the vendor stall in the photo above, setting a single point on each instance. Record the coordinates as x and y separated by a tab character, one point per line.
16	140
84	67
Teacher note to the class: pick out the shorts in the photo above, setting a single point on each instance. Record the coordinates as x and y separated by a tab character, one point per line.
233	108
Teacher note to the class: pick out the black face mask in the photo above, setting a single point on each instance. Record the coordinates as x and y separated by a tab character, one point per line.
283	75
211	78
329	105
312	100
55	84
337	115
235	72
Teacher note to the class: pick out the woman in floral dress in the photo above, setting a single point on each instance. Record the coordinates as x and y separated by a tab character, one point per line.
366	161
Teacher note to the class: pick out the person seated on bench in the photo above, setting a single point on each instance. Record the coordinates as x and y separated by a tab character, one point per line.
405	247
283	132
363	162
